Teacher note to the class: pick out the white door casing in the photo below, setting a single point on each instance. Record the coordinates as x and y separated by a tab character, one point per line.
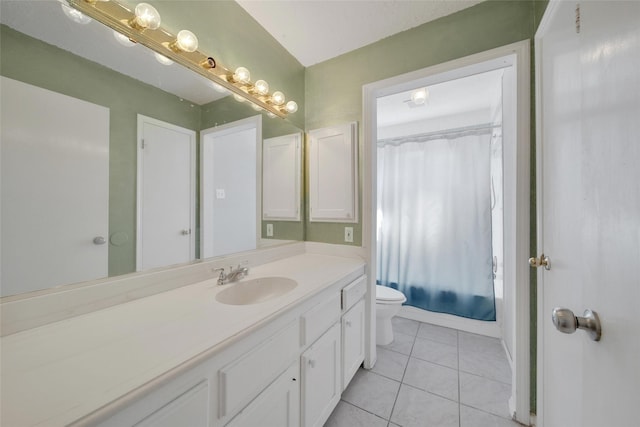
55	188
587	62
166	221
516	198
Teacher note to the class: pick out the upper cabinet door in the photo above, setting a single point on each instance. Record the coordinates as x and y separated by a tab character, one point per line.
333	174
281	178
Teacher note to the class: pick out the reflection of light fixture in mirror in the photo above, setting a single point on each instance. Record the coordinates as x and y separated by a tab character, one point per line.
261	87
238	97
146	16
256	107
185	41
277	98
143	26
420	96
291	107
271	115
242	75
123	40
218	88
75	15
163	59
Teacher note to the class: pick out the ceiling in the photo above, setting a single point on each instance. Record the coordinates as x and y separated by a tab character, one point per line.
316	30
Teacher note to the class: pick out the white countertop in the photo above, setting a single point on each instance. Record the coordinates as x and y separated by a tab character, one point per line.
58	373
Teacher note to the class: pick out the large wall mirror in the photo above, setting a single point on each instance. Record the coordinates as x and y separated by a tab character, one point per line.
99	97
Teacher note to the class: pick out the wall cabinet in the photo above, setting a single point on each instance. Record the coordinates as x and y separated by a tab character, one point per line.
333	174
321	378
281	159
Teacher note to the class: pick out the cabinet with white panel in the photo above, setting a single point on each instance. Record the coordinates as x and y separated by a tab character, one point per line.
352	342
281	159
321	378
333	174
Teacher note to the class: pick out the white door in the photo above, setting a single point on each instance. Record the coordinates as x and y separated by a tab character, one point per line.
589	211
231	157
55	188
166	194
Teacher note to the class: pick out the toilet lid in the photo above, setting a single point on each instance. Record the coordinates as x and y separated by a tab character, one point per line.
384	293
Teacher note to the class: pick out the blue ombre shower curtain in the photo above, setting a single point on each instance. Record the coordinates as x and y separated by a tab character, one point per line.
434	222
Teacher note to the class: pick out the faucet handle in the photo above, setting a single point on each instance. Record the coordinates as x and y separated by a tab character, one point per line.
221	270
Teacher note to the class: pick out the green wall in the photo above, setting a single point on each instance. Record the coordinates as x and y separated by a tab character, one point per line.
334	88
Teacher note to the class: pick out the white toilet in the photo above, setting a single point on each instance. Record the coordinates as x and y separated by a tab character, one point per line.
388	303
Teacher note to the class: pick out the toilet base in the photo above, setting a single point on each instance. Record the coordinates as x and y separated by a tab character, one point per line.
384	331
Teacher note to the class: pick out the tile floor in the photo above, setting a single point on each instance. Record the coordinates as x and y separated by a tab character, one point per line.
430	377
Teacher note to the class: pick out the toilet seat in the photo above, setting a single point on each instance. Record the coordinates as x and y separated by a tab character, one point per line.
385	295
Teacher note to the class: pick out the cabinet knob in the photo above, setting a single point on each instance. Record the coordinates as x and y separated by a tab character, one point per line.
348	323
312	363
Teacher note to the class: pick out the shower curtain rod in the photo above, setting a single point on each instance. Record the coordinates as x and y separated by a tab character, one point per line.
448	133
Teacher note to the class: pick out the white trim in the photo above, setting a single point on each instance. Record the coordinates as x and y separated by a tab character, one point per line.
139	184
253	122
517	55
545	23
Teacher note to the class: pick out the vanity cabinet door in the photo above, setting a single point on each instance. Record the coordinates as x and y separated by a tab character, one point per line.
190	409
352	342
277	406
321	378
333	174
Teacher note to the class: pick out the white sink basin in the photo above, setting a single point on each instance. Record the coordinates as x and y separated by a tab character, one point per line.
255	290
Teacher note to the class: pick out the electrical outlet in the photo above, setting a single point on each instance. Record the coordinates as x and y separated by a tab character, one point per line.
269	230
348	234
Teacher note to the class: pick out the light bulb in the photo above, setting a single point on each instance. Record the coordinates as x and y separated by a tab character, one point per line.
291	107
261	87
277	98
75	15
271	115
122	39
242	75
146	17
256	107
420	96
238	97
163	59
186	41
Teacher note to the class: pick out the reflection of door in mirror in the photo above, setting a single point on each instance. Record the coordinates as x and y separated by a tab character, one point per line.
55	188
166	194
231	174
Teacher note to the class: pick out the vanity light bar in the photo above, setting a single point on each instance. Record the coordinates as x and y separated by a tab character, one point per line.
119	18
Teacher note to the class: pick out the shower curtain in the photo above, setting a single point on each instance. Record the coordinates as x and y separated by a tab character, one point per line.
434	221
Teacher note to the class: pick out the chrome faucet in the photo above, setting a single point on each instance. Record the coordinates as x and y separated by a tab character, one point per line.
233	275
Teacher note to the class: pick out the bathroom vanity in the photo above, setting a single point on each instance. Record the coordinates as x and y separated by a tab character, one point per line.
182	357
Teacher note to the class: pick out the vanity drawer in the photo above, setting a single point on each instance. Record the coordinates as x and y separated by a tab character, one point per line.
245	378
316	321
353	292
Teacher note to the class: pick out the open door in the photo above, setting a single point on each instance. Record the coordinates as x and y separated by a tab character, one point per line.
589	212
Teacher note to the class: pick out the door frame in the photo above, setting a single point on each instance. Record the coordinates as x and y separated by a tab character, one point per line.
253	122
545	23
140	179
519	402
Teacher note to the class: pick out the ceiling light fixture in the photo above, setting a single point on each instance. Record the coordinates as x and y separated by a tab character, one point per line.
142	25
420	96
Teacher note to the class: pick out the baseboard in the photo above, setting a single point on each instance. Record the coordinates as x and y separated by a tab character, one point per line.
490	329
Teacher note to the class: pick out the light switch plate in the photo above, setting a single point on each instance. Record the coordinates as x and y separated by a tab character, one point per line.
269	230
348	234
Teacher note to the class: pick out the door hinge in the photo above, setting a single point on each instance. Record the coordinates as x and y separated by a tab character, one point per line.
578	18
142	144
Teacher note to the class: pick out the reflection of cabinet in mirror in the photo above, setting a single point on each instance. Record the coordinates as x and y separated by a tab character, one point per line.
230	174
55	188
281	178
166	194
333	174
